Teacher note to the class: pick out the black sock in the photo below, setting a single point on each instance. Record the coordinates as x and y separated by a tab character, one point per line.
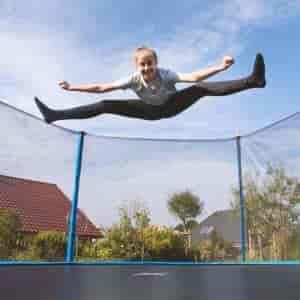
257	78
48	114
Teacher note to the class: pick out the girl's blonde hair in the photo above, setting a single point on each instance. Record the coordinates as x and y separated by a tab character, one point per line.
144	49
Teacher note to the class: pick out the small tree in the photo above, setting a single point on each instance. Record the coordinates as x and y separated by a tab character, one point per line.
214	248
49	245
10	227
134	238
163	243
126	240
142	221
271	212
186	207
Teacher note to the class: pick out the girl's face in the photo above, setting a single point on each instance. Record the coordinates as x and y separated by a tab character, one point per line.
146	64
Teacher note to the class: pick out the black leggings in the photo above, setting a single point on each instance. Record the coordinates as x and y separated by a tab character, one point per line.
177	102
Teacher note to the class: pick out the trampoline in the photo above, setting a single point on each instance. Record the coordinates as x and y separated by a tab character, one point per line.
176	282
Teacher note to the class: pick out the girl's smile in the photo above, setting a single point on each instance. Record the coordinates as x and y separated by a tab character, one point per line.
146	64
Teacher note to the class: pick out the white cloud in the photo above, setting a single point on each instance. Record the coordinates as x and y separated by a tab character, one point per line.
260	12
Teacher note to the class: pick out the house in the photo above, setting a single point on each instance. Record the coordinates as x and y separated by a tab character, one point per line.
42	207
226	223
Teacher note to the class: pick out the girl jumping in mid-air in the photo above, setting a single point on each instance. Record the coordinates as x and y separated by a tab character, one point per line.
156	89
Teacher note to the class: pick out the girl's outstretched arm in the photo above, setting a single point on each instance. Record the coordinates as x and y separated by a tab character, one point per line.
90	88
203	74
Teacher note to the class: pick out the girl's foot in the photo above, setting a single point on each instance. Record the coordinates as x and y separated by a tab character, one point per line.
47	113
257	78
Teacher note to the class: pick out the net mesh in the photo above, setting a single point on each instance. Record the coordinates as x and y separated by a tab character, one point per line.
146	199
271	187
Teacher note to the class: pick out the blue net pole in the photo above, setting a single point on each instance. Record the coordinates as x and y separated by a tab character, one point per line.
242	200
72	223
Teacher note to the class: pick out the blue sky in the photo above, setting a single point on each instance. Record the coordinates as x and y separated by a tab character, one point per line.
92	42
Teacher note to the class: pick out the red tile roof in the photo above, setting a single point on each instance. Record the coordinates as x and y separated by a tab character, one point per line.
42	206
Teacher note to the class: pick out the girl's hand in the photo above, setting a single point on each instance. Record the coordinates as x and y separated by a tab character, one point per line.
64	85
227	62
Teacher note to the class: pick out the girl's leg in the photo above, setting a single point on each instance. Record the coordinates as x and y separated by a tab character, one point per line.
128	108
183	99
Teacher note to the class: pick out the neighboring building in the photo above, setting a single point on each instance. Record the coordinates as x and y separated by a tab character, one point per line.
42	207
226	223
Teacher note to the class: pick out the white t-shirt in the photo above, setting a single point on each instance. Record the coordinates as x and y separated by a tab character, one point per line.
154	93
